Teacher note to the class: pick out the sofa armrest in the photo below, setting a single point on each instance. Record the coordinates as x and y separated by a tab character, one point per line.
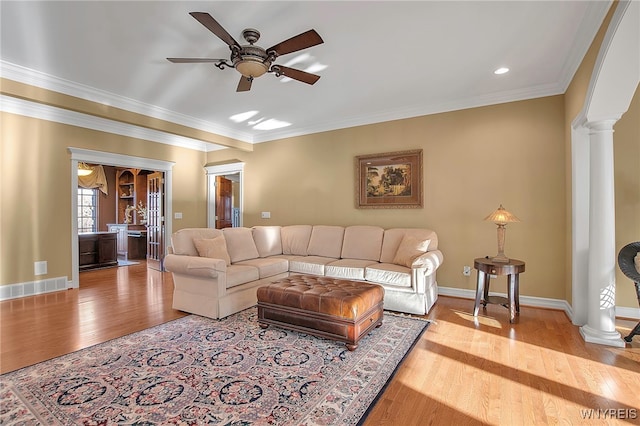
194	265
430	261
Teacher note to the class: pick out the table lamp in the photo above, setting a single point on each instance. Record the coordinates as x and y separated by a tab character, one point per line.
501	217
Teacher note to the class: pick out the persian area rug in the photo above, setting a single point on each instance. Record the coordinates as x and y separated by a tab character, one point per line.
196	371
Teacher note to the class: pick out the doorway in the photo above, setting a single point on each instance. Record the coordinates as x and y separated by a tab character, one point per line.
224	202
225	188
163	197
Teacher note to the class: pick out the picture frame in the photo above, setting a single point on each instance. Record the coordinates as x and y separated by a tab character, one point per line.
389	180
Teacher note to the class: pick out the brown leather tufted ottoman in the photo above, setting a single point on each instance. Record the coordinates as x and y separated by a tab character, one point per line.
343	310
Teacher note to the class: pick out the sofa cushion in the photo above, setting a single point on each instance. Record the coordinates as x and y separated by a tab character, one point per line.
214	248
268	266
314	265
241	274
388	273
268	240
410	247
393	238
326	241
348	269
362	242
295	239
182	240
240	244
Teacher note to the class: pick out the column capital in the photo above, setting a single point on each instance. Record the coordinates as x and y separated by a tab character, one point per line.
605	124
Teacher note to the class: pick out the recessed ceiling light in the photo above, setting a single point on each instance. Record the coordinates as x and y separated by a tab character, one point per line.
502	70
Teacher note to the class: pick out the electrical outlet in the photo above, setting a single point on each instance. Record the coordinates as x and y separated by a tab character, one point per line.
466	270
265	215
177	215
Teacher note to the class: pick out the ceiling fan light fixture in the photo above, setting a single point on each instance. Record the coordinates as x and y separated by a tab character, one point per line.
253	61
251	67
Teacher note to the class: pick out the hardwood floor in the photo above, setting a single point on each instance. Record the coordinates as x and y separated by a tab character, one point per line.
110	303
463	371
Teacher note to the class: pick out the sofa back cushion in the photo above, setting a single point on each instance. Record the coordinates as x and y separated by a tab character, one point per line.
326	241
268	240
240	244
393	237
182	240
295	239
362	242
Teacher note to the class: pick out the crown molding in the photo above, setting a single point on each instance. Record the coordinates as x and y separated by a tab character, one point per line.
42	80
38	79
419	110
589	27
60	115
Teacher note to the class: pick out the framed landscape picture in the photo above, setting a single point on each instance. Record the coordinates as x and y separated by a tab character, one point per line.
389	180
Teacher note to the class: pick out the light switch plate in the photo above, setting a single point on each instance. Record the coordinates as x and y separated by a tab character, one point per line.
40	268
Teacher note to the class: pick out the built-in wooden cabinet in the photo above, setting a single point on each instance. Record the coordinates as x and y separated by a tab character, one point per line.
132	191
97	250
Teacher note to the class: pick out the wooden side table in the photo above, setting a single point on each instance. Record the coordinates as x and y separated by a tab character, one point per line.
486	267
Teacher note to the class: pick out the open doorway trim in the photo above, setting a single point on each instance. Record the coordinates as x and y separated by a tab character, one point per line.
118	160
221	170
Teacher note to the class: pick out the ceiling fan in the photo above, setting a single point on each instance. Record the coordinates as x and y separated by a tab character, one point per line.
253	61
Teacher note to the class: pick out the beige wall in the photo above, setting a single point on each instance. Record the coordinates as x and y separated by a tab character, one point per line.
474	160
35	203
626	157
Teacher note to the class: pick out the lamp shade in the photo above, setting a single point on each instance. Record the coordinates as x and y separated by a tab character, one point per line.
501	216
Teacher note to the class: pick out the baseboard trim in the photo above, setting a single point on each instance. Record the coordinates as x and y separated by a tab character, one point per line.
538	302
31	288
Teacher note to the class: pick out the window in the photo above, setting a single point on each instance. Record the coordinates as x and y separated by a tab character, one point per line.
87	210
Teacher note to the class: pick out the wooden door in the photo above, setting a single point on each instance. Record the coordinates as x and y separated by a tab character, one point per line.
224	203
155	221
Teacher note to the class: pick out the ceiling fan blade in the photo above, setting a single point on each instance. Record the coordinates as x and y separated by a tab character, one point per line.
244	85
295	74
299	42
213	26
192	60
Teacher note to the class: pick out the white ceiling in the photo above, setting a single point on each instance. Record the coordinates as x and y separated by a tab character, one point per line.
382	60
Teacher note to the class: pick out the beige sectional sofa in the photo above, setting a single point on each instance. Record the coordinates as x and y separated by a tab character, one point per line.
217	272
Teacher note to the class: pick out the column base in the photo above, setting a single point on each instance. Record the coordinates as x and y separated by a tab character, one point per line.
610	338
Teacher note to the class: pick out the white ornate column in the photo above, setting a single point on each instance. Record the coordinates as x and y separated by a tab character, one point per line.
601	296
